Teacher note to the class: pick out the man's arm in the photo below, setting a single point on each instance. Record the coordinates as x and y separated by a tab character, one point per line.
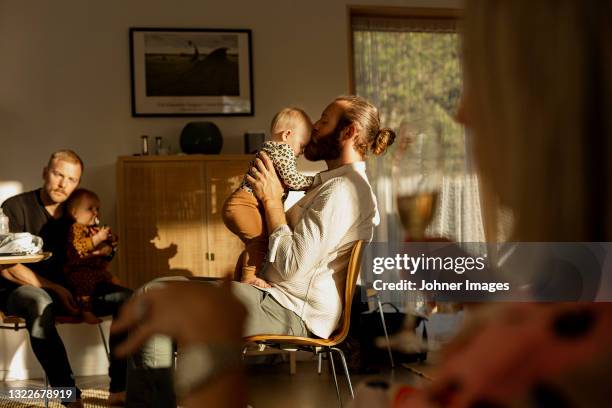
19	273
15	216
268	188
320	229
22	275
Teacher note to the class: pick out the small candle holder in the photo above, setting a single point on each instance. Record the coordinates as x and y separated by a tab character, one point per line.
145	145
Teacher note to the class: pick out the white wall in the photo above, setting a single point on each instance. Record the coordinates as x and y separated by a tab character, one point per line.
83	345
65	80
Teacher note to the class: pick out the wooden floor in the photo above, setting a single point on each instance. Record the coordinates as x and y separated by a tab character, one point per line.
270	386
273	386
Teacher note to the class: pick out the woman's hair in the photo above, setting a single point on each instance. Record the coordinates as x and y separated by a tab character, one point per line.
538	89
76	197
362	113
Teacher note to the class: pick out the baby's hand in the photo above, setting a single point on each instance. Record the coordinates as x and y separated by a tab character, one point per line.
102	234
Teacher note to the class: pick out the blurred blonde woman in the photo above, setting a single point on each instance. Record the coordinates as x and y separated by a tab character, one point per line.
538	90
538	79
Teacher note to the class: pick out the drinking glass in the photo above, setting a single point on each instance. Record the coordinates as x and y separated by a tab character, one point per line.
417	172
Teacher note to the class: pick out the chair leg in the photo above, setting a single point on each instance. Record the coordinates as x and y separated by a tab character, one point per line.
103	338
292	362
320	360
384	325
346	371
330	356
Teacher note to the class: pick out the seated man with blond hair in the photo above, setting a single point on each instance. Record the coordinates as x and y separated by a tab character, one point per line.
37	292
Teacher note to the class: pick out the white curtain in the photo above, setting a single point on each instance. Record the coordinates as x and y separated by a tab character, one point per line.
458	214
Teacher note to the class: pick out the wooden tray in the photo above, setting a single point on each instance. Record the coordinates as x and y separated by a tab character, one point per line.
12	259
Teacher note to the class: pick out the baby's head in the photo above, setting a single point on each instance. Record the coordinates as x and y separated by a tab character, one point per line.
292	126
83	206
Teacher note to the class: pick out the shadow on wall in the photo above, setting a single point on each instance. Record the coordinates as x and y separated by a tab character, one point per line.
151	247
161	250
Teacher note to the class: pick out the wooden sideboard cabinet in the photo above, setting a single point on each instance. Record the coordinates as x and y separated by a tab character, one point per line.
169	216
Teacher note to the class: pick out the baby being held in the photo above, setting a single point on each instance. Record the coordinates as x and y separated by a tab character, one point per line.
89	250
243	214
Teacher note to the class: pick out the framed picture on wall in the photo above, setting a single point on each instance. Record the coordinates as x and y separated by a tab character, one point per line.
191	72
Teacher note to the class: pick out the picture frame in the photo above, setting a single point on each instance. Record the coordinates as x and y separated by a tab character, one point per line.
191	72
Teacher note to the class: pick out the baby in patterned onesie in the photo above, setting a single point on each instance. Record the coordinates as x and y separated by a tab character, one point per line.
89	250
243	214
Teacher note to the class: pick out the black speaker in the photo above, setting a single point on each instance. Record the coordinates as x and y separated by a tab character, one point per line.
201	137
253	142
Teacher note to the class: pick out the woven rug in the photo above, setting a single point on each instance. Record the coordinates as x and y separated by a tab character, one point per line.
91	398
94	394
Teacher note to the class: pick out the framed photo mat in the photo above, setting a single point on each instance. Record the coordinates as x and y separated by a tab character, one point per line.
191	72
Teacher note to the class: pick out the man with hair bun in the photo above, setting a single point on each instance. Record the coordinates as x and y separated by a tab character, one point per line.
309	250
310	245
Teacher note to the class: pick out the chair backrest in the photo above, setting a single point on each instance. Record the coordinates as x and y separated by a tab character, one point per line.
352	272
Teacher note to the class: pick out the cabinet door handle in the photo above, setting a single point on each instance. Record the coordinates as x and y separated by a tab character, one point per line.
213	198
207	256
212	256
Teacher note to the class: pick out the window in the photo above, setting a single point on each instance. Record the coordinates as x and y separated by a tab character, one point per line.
407	63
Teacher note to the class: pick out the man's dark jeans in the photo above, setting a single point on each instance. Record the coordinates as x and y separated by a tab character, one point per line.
39	307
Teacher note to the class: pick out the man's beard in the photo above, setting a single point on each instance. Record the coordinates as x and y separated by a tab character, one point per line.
326	147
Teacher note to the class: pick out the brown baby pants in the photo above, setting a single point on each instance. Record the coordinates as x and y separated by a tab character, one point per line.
243	214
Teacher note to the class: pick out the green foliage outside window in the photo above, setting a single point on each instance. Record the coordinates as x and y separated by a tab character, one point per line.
414	78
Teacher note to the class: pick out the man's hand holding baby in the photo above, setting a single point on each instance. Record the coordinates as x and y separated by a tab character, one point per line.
260	283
